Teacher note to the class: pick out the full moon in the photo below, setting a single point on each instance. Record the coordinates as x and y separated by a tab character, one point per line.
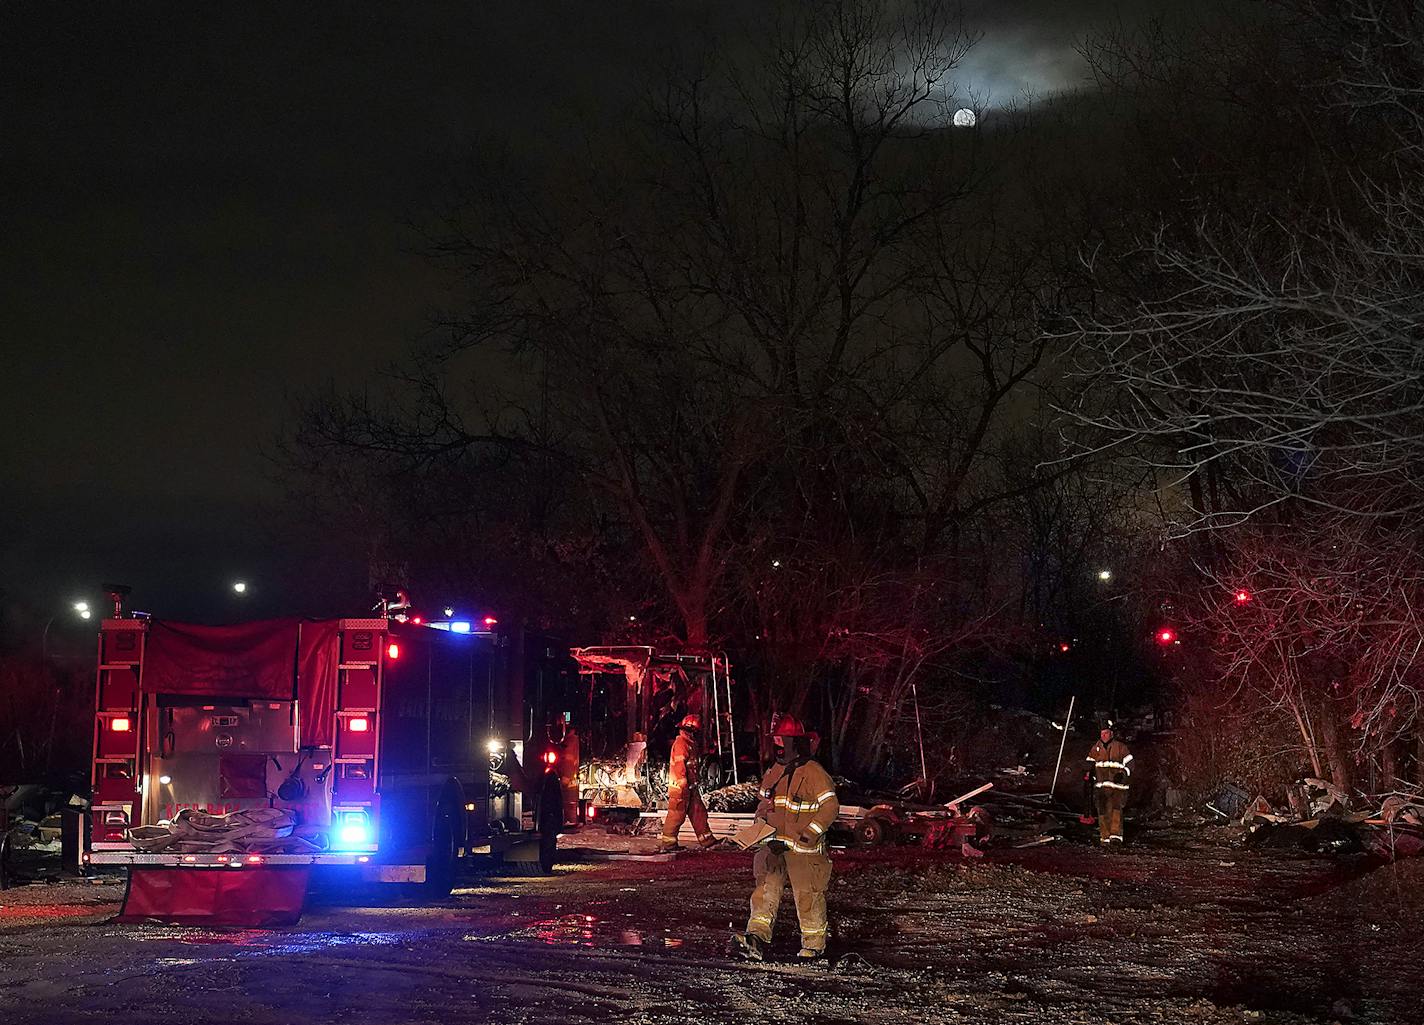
964	118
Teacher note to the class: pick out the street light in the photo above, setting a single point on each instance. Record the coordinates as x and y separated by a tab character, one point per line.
1104	575
240	587
80	608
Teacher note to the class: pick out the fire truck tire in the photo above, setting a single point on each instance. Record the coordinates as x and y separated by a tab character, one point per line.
549	820
441	862
551	823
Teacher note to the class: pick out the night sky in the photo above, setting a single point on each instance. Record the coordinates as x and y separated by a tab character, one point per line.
203	212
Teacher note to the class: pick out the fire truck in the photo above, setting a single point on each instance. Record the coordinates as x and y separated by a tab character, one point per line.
400	748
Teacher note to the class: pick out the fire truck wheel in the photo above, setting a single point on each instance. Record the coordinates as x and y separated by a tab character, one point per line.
440	863
551	821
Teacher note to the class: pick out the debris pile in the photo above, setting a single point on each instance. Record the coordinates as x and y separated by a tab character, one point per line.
1322	818
32	829
741	797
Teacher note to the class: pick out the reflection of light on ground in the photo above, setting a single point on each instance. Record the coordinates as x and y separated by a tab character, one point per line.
253	942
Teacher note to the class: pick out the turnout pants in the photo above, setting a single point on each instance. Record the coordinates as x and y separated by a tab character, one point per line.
810	876
1110	802
685	803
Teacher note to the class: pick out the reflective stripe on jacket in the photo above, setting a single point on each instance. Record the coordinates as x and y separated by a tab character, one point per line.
1112	765
800	803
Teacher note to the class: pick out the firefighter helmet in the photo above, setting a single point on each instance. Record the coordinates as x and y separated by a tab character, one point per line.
691	721
789	726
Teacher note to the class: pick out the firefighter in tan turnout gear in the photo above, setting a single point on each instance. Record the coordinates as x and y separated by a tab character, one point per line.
1111	764
798	802
684	800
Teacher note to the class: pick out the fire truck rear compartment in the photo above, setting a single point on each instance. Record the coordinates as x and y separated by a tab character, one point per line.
224	755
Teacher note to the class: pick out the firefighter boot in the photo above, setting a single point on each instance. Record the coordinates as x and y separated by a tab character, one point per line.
749	947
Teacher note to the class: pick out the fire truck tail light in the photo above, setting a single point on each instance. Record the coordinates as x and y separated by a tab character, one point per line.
121	724
361	725
355	829
393	651
551	758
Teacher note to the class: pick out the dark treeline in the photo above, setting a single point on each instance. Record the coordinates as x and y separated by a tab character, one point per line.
789	365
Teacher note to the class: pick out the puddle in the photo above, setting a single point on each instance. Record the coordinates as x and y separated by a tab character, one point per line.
588	931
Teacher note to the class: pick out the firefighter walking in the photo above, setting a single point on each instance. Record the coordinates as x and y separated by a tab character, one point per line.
684	799
798	801
1111	764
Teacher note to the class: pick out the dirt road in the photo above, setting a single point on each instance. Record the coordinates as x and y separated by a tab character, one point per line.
1196	932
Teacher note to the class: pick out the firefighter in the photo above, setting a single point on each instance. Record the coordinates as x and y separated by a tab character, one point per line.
1111	764
684	799
798	801
569	758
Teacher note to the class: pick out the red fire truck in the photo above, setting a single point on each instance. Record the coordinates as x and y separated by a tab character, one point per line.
400	748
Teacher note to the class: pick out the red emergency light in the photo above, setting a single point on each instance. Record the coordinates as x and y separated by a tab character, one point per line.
1064	647
491	621
1242	597
416	620
593	811
121	724
254	859
359	725
393	650
551	758
1166	635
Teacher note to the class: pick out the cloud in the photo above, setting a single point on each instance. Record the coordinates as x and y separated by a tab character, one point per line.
1030	47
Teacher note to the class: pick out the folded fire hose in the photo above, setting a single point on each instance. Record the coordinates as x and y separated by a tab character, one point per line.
249	831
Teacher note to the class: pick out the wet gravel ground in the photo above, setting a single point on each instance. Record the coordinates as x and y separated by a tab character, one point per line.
1178	928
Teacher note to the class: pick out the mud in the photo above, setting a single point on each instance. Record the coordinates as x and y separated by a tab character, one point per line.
1178	928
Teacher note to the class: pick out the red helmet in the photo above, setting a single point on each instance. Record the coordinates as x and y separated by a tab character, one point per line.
789	726
691	721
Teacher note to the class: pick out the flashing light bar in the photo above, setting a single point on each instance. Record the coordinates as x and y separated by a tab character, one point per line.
460	626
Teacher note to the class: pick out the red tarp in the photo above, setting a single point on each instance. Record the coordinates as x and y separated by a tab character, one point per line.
249	660
319	654
250	897
275	659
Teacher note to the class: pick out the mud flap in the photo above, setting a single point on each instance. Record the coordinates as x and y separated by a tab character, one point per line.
247	897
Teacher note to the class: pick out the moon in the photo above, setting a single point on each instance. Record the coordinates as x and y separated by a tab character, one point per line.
964	118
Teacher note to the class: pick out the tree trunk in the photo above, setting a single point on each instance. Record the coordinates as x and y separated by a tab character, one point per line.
1341	768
